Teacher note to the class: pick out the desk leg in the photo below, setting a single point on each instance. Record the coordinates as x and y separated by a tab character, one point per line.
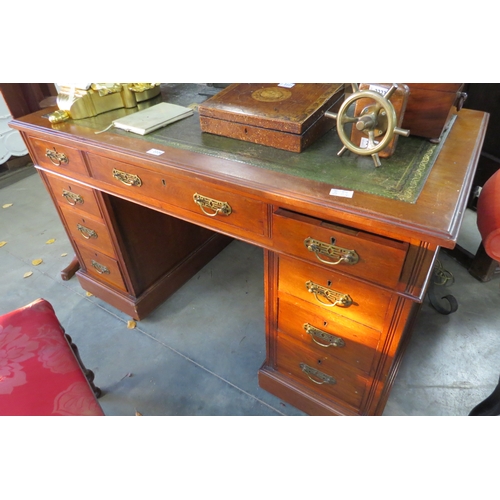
68	272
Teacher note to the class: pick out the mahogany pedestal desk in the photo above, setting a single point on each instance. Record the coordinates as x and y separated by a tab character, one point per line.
344	277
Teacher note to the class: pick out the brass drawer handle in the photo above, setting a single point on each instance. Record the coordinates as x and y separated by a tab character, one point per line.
99	267
333	297
333	251
86	232
332	340
312	372
56	158
218	207
72	198
127	179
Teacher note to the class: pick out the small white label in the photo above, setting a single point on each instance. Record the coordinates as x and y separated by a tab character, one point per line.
155	152
363	144
341	192
286	85
378	89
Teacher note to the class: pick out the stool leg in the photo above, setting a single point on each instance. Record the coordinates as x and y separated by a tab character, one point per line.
483	267
89	374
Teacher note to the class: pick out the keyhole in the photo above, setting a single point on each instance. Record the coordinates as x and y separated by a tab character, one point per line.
329	283
325	323
163	182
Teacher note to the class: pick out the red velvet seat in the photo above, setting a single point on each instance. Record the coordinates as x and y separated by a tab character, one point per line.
40	370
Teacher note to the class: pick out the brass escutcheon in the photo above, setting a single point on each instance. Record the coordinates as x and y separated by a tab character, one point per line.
127	179
56	158
86	232
218	207
312	372
331	340
99	267
333	251
333	297
72	198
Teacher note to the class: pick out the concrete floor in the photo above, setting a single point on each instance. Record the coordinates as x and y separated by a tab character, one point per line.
199	353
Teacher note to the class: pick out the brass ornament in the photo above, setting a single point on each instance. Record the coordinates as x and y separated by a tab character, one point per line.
84	101
374	121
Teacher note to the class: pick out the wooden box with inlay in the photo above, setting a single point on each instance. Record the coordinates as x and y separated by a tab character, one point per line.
284	117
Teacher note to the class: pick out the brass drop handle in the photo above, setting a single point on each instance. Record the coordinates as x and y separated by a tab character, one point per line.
330	250
332	297
126	178
86	232
311	372
56	158
218	207
316	333
72	198
99	267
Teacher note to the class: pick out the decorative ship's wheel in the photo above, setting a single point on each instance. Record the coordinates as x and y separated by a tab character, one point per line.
377	121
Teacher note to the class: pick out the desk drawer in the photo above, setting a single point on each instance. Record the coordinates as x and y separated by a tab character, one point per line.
102	267
71	194
89	231
334	293
321	373
347	250
58	157
340	338
202	198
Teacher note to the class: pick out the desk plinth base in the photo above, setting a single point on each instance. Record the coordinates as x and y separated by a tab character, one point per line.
284	388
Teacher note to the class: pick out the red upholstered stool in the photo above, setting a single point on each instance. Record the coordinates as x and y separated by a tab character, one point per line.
40	369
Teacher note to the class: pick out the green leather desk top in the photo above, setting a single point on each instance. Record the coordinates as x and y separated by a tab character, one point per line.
400	177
